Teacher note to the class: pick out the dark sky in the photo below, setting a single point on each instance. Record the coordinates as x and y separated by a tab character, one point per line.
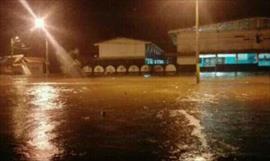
81	23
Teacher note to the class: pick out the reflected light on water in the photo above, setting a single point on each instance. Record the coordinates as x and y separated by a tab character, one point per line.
199	159
41	147
45	97
37	125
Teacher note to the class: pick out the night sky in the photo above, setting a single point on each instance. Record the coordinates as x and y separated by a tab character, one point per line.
81	23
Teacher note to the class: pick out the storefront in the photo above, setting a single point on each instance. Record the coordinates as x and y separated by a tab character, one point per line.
237	60
235	45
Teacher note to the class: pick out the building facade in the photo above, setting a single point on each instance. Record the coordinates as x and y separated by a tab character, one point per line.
231	45
126	55
125	49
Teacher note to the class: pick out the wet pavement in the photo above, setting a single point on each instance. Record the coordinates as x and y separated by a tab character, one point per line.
226	117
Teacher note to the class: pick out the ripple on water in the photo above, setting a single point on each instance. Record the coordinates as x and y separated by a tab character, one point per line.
37	142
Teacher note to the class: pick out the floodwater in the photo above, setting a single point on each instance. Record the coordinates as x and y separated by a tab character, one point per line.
226	117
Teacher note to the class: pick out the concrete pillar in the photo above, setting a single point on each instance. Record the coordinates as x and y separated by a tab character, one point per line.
236	63
216	63
257	61
257	57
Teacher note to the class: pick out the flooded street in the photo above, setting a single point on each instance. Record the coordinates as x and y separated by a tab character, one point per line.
226	117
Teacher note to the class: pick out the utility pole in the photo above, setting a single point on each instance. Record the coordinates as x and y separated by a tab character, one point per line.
47	56
197	43
12	46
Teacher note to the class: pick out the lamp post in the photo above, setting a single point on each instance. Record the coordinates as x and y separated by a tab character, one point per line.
12	46
47	56
40	24
197	42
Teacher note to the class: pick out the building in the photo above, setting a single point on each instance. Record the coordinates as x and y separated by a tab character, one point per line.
235	45
125	55
21	65
129	51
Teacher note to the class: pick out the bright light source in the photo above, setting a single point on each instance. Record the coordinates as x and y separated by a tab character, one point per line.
39	23
199	159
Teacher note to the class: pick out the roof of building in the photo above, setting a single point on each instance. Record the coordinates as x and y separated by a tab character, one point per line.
13	59
129	41
121	39
242	24
34	59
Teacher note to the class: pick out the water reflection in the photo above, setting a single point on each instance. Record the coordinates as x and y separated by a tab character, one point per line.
45	97
40	136
38	126
199	158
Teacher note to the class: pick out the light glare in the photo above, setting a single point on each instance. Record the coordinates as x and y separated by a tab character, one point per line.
39	23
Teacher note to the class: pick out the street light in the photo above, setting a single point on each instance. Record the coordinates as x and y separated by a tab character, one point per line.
40	24
197	42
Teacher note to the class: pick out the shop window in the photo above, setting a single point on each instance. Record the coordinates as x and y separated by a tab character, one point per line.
247	58
226	58
264	59
149	61
159	61
208	60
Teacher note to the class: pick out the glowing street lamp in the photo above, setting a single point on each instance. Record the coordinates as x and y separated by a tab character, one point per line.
40	24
